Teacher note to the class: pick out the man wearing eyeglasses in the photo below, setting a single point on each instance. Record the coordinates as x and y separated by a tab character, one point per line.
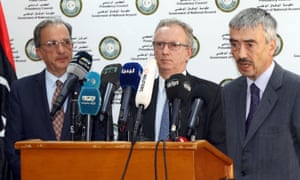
31	97
173	42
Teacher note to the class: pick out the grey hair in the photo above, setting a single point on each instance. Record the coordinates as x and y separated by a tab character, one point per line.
43	24
251	18
187	28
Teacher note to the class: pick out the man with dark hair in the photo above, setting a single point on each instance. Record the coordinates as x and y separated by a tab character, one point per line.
261	108
31	97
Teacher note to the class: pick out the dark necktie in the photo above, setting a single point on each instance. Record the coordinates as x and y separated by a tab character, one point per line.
254	90
165	121
59	116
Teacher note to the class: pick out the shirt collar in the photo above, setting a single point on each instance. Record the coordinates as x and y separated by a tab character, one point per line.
262	81
52	78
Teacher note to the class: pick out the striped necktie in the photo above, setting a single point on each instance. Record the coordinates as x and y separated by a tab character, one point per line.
59	116
254	90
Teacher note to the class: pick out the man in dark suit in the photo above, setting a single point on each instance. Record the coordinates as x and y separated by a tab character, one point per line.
173	47
263	128
30	97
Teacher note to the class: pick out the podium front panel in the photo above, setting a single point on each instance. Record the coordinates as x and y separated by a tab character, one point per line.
106	160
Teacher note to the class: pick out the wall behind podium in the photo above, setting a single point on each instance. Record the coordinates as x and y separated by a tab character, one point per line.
119	31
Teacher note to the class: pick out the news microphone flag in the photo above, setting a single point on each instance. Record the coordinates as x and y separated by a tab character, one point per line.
129	80
145	89
143	96
89	97
130	75
110	80
178	89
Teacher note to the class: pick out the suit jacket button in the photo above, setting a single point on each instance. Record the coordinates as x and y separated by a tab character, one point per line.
243	173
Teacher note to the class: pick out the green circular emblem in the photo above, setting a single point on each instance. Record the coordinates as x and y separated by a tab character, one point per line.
279	45
196	47
70	8
110	47
30	51
227	5
147	7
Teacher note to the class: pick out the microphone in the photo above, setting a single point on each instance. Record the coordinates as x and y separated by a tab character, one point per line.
144	94
74	114
90	99
80	64
199	95
110	77
129	80
178	89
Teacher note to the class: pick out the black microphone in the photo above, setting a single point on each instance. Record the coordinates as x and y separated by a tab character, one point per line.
199	96
110	78
81	63
129	80
143	95
74	114
178	89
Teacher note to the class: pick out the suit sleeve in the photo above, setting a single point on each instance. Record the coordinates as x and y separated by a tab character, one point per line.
296	125
13	131
215	125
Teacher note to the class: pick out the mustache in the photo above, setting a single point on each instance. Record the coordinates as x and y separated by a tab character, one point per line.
244	60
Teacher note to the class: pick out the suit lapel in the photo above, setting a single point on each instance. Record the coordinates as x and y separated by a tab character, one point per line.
241	107
267	103
41	83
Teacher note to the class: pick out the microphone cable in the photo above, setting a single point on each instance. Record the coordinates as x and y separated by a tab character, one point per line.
127	161
165	159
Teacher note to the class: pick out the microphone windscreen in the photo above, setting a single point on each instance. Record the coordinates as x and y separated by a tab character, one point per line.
200	91
92	79
145	88
130	75
80	64
178	86
89	97
110	74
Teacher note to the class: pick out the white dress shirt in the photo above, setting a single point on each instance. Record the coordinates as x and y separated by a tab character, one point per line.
261	82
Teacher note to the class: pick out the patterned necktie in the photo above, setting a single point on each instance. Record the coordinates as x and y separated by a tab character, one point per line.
59	116
254	90
165	121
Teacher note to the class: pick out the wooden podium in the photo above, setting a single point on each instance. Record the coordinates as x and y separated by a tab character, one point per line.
94	160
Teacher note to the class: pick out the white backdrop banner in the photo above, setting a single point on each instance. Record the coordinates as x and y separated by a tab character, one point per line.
120	31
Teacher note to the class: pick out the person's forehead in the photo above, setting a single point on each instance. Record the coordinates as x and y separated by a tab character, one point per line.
244	34
54	30
173	32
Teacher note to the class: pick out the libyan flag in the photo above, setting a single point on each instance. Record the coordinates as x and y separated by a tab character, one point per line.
7	67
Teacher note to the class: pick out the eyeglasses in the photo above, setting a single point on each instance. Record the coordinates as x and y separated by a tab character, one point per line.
67	43
171	45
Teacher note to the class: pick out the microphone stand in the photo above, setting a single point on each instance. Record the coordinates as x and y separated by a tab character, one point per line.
174	114
108	120
191	132
137	134
74	113
89	127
